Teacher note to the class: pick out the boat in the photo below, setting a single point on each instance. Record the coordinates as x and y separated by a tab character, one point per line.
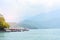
16	30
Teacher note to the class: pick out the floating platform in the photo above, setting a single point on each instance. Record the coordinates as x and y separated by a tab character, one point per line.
14	30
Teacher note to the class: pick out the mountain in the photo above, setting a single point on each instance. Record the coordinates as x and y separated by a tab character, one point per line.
14	25
28	24
43	20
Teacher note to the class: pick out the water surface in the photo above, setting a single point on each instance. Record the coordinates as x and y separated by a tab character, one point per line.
35	34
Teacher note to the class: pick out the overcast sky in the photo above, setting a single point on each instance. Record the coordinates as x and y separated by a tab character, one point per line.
18	10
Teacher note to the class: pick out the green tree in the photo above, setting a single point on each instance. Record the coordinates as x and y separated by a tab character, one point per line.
3	24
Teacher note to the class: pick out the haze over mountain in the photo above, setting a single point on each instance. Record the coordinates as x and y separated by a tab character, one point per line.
43	20
14	25
32	13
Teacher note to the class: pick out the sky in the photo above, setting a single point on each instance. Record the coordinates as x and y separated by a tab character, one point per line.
18	10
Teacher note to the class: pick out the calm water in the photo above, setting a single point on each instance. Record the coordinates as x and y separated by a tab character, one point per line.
38	34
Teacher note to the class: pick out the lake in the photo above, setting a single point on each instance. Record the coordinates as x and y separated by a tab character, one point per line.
33	34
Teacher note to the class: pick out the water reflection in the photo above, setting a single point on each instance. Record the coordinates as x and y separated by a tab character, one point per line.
3	36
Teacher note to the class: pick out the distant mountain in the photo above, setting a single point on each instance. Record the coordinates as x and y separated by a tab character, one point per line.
14	25
28	24
43	20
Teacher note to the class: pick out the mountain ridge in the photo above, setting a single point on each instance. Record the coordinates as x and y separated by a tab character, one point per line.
43	20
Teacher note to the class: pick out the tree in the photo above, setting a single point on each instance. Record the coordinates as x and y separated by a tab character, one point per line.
3	24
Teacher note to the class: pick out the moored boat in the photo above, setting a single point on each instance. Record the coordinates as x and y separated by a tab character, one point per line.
16	30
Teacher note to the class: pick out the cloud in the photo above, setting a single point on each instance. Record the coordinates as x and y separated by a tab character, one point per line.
9	9
20	9
33	7
43	4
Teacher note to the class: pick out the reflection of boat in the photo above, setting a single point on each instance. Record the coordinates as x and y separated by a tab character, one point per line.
16	30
